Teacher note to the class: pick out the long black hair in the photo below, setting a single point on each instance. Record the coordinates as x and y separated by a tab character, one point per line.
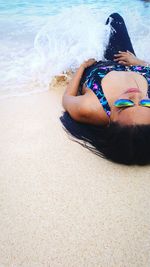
128	145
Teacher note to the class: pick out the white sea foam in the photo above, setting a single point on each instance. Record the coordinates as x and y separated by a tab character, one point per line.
68	39
32	55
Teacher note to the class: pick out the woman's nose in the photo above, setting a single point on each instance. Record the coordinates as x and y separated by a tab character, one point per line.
136	98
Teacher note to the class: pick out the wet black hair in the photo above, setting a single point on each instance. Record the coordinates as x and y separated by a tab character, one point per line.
129	145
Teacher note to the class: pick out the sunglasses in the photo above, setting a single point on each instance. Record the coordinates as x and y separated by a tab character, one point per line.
120	103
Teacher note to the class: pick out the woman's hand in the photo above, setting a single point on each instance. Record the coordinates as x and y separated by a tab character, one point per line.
88	63
127	58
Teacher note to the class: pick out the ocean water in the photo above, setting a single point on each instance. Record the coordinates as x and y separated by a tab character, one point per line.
43	38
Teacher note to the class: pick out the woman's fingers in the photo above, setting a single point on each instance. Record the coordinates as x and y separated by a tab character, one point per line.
120	58
125	52
123	62
130	53
89	62
125	58
121	54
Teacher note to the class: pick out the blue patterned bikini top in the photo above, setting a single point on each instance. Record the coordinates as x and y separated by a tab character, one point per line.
93	75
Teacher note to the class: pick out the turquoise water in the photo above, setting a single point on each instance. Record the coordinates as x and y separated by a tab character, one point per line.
40	39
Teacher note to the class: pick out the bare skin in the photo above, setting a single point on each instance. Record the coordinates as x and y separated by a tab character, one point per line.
128	59
87	109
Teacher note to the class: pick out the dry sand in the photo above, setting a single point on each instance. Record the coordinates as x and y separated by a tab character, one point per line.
61	205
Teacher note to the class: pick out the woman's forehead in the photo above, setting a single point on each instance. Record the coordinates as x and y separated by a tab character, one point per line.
135	115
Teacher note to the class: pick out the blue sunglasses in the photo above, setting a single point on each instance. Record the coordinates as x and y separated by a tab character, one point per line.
120	103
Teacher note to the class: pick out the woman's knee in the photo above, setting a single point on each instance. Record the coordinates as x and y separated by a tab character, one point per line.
116	18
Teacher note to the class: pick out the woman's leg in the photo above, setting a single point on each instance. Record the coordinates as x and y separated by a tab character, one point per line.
119	38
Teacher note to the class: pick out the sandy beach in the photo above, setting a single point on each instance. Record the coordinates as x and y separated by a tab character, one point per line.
61	205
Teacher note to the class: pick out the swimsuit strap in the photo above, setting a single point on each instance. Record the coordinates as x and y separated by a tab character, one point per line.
94	84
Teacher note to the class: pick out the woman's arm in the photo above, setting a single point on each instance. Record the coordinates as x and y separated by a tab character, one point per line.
77	105
72	88
128	59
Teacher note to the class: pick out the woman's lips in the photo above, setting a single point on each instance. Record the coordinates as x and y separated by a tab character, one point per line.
132	90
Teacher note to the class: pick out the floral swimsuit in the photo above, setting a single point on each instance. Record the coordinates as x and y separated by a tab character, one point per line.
93	75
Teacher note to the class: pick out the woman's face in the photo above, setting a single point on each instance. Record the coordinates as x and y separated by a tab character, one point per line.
131	115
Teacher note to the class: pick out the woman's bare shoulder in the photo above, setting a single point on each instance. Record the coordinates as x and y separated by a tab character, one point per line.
92	109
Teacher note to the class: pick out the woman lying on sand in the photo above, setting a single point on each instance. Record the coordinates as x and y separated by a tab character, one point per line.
107	102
